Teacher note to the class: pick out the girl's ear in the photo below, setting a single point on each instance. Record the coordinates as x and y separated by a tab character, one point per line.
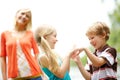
45	36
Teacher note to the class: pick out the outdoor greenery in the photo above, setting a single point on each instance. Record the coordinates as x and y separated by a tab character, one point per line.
115	26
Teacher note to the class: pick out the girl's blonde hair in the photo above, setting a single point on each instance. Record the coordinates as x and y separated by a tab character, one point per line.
40	33
99	28
28	11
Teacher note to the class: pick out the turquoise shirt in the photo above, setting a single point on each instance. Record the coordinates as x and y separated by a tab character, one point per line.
53	77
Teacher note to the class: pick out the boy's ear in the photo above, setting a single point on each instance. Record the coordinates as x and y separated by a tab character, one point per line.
104	35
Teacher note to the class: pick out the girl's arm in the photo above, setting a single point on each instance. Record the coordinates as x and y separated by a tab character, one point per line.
66	63
60	72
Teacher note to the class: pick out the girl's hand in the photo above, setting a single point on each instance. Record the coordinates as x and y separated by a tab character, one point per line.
76	52
76	58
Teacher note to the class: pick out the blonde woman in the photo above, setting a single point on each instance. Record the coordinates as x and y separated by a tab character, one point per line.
54	67
17	45
103	64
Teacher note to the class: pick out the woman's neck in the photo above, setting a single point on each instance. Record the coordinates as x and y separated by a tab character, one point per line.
20	29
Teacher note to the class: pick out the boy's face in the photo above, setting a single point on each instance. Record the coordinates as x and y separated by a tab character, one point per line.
97	41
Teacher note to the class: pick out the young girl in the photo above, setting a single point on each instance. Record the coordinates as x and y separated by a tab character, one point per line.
51	63
17	45
103	64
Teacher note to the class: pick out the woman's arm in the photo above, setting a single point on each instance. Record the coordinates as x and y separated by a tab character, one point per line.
4	68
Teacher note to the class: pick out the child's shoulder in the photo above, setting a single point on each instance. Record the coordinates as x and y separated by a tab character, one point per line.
110	48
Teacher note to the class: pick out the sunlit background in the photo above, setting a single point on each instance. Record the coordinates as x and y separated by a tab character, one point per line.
70	17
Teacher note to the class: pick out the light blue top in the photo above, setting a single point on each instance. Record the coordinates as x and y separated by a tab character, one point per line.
53	77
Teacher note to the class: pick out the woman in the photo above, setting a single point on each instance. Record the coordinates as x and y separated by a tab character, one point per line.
54	67
18	45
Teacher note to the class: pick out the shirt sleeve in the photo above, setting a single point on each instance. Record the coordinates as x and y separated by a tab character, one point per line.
2	45
109	55
34	45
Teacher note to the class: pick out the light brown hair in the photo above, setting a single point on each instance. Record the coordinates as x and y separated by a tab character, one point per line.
99	28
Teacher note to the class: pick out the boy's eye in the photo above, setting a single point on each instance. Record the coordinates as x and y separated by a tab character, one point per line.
22	13
91	38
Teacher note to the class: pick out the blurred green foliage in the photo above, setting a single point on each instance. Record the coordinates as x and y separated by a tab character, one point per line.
114	17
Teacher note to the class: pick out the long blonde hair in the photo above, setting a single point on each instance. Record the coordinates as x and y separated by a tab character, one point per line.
40	33
28	11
